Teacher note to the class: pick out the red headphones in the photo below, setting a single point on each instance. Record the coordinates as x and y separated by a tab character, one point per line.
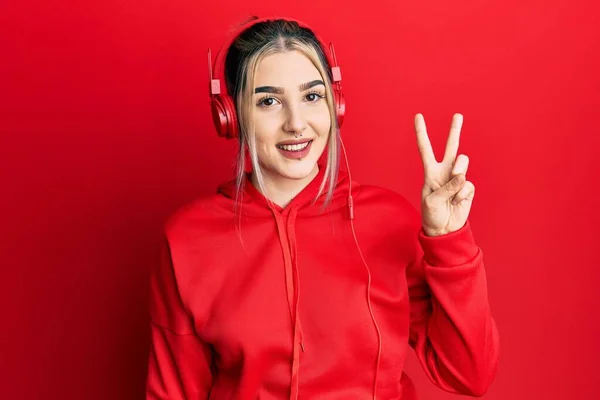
222	104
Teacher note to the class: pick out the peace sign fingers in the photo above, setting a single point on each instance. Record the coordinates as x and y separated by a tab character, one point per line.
446	196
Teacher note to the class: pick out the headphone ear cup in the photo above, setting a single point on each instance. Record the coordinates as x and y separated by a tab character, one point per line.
340	106
225	117
232	126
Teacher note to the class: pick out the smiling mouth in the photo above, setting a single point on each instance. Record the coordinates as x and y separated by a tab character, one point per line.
294	147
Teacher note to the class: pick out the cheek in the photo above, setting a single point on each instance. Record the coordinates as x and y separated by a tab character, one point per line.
266	136
322	122
266	130
264	148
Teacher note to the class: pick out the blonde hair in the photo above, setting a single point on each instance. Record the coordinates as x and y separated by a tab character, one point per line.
244	56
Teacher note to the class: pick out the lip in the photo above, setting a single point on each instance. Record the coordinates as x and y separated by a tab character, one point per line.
297	155
294	141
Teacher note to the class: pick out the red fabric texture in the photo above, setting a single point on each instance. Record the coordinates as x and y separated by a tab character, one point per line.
273	304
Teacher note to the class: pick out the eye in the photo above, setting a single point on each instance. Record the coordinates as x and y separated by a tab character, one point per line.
266	101
314	96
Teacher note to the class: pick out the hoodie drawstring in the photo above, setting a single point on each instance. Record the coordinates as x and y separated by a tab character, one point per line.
286	230
287	238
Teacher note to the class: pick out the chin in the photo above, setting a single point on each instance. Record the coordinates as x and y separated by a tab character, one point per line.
297	169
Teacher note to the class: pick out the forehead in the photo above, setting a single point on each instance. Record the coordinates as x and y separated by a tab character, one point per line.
287	69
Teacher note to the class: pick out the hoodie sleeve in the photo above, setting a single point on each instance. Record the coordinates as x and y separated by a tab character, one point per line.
179	363
451	326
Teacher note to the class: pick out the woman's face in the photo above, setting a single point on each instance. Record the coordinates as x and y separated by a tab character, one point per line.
289	101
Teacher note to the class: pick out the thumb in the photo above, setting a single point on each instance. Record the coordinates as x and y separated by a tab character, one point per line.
451	187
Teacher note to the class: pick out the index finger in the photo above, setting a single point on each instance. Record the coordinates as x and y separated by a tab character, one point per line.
427	155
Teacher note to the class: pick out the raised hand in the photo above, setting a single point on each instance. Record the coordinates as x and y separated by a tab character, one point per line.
447	196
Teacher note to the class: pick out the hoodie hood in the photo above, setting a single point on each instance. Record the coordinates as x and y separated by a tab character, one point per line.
255	203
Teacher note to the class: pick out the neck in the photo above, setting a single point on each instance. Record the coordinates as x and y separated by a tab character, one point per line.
281	190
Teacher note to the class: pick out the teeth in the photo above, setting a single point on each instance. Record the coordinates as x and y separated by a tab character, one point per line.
293	147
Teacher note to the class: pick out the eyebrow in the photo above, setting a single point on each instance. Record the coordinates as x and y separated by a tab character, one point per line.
279	90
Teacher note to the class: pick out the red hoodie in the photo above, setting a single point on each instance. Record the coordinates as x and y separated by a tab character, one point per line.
285	307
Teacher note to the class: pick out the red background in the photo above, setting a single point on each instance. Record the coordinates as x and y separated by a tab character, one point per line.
105	130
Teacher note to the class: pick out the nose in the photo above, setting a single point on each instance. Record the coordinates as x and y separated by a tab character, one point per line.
295	122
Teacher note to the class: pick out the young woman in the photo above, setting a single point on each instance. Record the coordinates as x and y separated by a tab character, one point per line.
293	280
